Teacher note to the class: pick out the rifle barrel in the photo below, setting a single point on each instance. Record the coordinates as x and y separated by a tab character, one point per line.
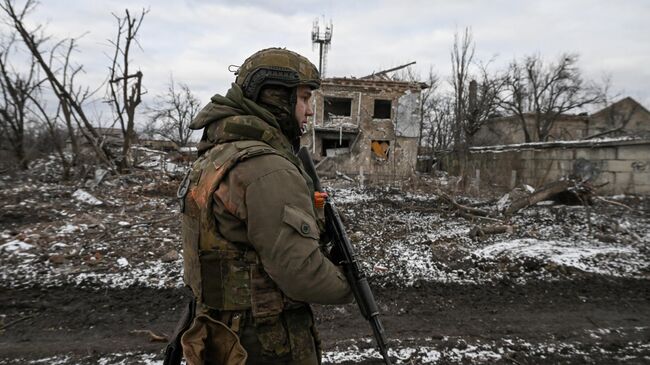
355	276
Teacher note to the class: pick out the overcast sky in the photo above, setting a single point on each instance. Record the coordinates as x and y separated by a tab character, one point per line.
196	40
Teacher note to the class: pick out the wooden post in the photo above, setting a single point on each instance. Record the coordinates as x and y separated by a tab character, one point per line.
513	179
361	177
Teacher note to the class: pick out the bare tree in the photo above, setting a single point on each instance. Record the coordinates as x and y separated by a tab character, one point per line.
475	94
60	60
544	91
67	95
482	102
442	122
57	135
125	88
428	96
16	88
462	55
173	112
62	126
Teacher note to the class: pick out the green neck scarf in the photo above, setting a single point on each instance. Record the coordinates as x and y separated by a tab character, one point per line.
234	118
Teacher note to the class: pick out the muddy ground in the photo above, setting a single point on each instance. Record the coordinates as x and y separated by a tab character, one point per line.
587	321
98	282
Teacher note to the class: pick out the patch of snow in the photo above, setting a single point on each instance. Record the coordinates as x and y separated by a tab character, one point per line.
421	197
409	355
85	197
54	360
546	203
68	228
15	245
122	262
448	351
427	352
153	274
503	202
347	196
618	197
580	255
532	145
129	358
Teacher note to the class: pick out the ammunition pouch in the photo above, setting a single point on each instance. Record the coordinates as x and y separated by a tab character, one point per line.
209	341
226	280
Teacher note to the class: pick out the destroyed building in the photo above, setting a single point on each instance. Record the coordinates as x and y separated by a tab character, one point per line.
367	127
508	130
625	117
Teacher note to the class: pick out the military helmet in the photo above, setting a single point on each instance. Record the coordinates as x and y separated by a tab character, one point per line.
275	66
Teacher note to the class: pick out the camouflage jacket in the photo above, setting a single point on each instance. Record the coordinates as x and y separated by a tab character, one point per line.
265	201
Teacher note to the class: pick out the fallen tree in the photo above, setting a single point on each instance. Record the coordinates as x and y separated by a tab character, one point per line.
545	193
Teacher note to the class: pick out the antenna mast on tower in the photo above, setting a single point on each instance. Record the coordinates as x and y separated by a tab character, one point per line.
323	40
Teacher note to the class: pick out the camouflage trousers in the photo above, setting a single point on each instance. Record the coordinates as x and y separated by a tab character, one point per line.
288	339
236	338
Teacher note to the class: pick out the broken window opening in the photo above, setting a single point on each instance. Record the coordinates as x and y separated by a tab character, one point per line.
382	109
333	147
337	108
380	150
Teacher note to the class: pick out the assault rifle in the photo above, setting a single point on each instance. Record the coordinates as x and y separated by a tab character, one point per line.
346	257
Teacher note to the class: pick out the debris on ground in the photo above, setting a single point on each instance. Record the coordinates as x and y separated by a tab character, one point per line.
459	279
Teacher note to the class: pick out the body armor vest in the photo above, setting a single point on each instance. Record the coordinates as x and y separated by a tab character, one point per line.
223	275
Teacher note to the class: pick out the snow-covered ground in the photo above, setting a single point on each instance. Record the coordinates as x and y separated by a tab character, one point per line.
125	233
107	242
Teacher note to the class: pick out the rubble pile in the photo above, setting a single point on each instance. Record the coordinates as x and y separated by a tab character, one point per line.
121	233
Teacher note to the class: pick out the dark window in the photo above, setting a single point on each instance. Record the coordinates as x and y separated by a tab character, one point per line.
333	144
380	149
382	109
341	107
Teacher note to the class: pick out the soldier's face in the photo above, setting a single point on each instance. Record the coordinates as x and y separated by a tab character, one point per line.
303	106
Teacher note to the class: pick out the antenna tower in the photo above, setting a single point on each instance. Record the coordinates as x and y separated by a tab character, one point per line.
323	39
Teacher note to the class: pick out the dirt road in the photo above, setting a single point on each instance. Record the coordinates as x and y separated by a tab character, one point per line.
593	320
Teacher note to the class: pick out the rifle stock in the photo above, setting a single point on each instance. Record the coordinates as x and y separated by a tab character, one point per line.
348	260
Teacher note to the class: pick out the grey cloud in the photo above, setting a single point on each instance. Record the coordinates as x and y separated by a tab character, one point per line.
196	40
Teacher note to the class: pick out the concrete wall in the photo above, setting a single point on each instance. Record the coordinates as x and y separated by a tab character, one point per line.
624	166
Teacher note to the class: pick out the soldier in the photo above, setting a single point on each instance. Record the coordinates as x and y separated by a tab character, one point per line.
251	231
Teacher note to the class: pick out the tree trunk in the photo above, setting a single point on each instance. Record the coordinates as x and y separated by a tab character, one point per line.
547	192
